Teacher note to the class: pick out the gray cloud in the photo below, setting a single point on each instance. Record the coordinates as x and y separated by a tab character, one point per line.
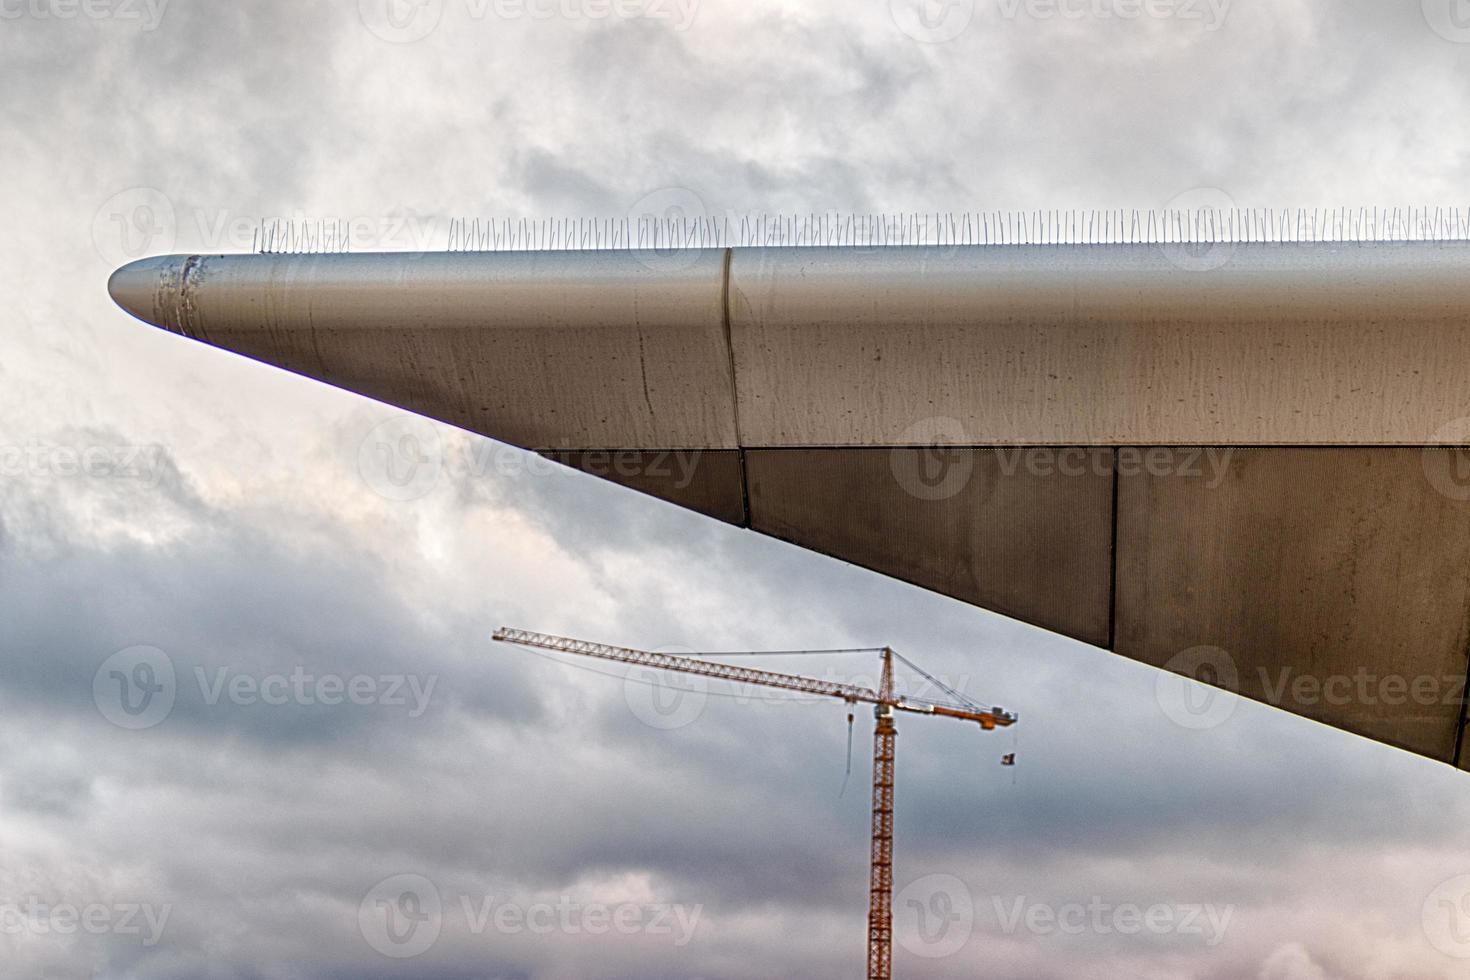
249	543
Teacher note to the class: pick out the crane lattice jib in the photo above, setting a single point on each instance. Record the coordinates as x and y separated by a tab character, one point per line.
688	665
745	675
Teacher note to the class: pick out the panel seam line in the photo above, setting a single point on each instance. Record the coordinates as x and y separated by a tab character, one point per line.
726	323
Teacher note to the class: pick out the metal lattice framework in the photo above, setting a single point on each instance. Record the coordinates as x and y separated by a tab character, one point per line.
886	702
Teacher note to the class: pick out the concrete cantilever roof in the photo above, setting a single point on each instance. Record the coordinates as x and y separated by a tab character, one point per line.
1244	462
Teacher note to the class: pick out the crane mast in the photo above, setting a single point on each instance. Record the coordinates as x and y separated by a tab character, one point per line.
880	874
885	704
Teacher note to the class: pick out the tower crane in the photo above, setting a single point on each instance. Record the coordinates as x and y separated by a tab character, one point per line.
885	704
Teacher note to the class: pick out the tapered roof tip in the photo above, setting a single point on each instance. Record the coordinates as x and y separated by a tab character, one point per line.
135	286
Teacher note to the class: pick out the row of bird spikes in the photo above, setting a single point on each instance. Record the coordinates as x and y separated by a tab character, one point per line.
833	229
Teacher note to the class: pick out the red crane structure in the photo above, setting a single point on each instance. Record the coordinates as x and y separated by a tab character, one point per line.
886	703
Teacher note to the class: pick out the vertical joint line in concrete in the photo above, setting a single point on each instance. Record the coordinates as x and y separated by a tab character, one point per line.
1113	562
1458	747
734	388
1456	750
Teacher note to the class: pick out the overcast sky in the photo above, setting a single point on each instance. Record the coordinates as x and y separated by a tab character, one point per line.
211	530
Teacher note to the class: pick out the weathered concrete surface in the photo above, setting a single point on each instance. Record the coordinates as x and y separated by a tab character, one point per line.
811	379
1067	345
1326	576
969	523
566	350
1112	345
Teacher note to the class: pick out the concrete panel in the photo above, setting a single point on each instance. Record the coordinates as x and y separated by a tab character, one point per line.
1335	344
705	480
576	350
1014	533
1334	580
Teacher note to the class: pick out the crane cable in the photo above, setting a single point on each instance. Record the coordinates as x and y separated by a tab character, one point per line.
627	678
961	699
848	773
776	653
